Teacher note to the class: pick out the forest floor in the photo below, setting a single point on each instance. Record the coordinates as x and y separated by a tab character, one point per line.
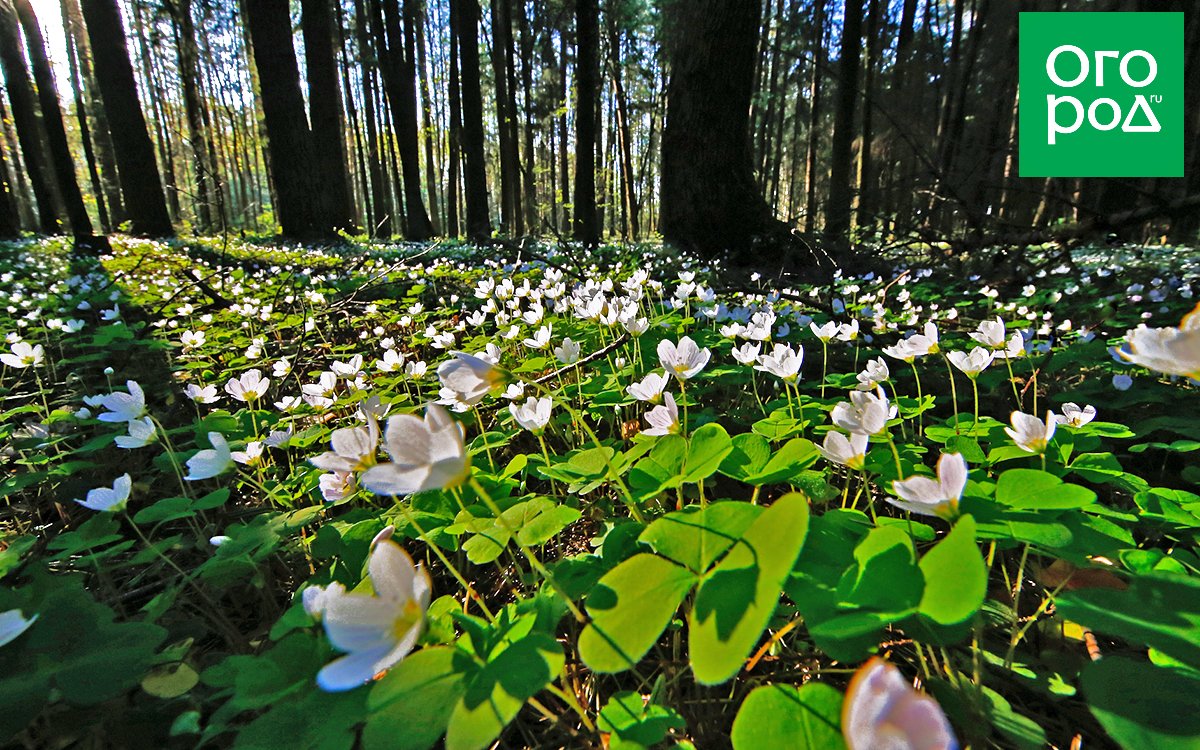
651	511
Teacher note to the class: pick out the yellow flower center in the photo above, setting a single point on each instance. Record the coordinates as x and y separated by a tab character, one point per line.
410	616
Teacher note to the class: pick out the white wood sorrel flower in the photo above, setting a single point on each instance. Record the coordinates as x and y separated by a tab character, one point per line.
12	624
375	630
850	452
109	498
470	377
866	412
427	454
1174	351
684	360
933	497
882	710
1031	433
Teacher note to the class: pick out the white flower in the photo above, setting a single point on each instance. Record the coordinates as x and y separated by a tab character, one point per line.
12	624
1122	382
337	486
917	345
114	313
278	438
867	413
933	497
747	353
1031	433
141	434
354	449
124	407
533	415
248	387
540	339
251	456
635	326
426	455
875	374
391	362
882	710
282	368
376	631
210	462
972	364
848	331
663	419
288	403
23	355
783	362
991	333
649	388
1075	416
849	452
1174	351
567	352
192	340
470	377
201	395
684	360
347	370
111	499
824	332
314	598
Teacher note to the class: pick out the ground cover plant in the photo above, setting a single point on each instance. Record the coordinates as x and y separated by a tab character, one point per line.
395	496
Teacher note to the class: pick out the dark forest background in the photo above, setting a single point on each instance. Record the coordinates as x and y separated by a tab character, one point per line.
717	124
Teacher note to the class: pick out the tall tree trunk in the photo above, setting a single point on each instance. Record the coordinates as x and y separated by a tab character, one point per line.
466	14
711	203
586	226
380	208
157	107
141	186
529	168
189	76
505	118
453	145
624	136
564	179
394	48
837	215
325	108
17	178
814	119
432	171
85	114
10	219
56	134
865	203
28	120
288	137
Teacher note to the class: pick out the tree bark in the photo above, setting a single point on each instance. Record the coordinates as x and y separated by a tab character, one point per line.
189	76
510	169
711	203
586	226
141	185
325	109
28	120
814	119
837	215
479	225
299	210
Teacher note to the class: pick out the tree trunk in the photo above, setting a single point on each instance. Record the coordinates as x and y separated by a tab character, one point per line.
865	208
393	47
814	120
625	147
93	130
479	225
56	134
28	121
710	200
529	169
380	208
325	109
189	75
433	171
453	146
10	219
586	227
837	215
288	137
510	176
141	186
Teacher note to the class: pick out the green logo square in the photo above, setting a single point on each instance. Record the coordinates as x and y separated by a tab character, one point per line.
1101	95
